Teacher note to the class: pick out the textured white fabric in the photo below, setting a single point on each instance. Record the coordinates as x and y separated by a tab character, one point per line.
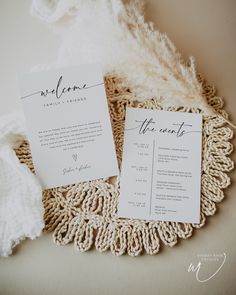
52	10
21	208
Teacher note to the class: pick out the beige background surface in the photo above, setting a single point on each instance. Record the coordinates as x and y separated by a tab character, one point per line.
202	28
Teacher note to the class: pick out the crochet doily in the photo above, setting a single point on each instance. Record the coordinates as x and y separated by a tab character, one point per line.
86	213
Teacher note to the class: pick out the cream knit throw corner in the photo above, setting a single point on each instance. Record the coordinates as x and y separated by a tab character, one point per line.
21	208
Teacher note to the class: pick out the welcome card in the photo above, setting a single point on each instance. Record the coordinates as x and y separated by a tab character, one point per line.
68	124
161	166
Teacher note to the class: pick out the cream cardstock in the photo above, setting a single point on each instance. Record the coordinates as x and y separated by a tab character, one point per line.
161	166
68	125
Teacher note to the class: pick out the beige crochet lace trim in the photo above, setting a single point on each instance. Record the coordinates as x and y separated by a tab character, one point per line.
86	213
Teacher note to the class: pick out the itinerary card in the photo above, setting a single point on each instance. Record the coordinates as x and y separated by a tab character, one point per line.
161	166
68	124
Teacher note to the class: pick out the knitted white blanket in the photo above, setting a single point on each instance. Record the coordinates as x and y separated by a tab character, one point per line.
21	209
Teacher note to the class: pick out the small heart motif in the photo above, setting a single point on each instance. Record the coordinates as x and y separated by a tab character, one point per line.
74	156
